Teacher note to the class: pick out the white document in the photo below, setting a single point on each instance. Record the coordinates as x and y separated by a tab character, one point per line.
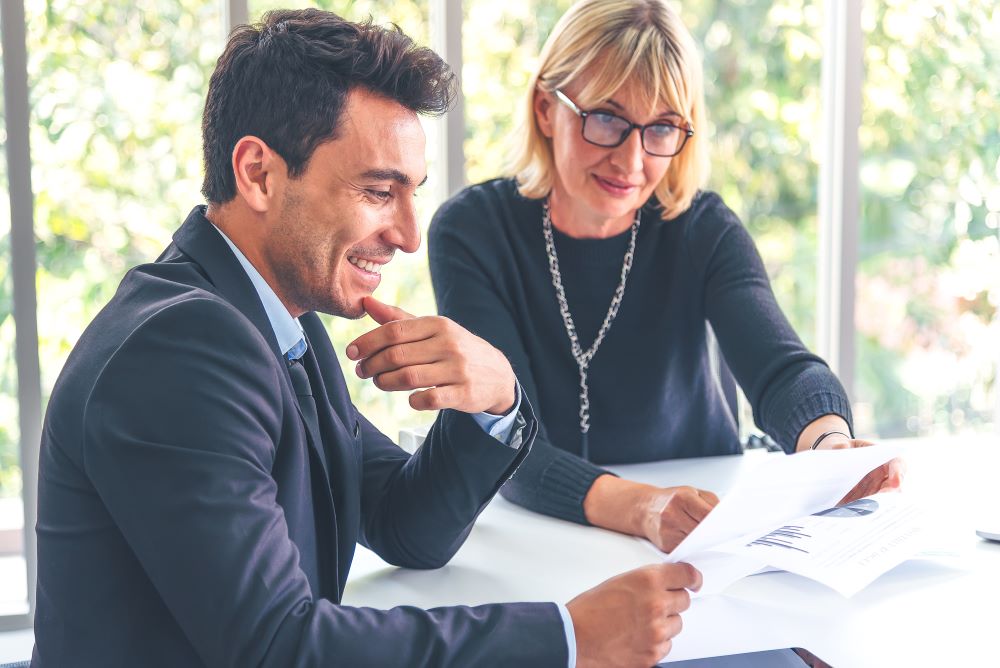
844	547
775	492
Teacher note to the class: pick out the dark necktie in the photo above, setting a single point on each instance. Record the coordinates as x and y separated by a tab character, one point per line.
304	394
324	563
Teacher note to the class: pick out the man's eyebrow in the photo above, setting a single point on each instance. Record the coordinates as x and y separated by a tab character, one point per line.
665	113
391	175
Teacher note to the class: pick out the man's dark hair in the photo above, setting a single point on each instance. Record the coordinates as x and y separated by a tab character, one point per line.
286	80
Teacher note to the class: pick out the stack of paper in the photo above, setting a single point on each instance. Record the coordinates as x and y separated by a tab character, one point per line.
783	515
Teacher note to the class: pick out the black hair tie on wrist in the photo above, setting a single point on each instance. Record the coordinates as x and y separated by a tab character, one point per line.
824	435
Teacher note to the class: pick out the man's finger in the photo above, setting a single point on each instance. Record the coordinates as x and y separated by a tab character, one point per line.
412	378
678	600
679	576
670	539
897	470
434	399
383	313
426	351
393	333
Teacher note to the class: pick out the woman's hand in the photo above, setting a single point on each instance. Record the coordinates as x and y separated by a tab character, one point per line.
885	478
832	433
673	512
663	515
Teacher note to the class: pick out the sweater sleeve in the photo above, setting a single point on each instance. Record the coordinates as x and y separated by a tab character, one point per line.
466	256
787	386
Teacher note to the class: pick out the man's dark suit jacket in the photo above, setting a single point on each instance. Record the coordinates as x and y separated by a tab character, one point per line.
186	518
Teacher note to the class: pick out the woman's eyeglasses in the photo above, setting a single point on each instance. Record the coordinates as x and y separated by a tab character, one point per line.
602	128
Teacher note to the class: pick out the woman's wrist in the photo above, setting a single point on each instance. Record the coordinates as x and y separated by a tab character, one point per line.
834	426
618	505
828	434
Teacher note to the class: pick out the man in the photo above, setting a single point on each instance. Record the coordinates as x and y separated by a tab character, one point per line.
204	476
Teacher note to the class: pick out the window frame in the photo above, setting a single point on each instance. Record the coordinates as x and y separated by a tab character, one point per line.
23	264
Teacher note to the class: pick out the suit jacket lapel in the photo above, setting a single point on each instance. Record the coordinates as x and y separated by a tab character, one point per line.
198	239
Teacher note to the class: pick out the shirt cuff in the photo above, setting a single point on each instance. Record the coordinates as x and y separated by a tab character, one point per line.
500	426
570	633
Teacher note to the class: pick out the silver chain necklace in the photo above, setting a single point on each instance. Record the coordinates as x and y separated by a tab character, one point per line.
583	357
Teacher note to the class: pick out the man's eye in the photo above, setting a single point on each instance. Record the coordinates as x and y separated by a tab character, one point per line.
381	195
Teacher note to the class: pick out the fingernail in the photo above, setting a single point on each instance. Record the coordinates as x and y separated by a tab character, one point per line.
352	352
357	370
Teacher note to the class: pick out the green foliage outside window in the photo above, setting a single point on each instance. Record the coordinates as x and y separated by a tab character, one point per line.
116	93
928	281
117	90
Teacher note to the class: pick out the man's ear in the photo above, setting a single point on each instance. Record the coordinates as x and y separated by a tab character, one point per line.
257	170
543	111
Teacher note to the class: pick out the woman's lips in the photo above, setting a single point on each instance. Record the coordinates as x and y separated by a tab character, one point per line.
613	186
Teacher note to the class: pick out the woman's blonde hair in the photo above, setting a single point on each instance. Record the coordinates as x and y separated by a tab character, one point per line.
611	42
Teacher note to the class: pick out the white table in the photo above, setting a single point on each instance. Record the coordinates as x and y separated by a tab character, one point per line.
919	614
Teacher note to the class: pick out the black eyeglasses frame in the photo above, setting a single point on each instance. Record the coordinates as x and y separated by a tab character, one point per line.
583	114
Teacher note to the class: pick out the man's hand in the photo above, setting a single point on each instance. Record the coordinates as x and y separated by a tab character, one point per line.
885	478
630	620
664	515
409	353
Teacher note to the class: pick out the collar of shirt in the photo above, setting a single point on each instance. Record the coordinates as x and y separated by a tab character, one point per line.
287	330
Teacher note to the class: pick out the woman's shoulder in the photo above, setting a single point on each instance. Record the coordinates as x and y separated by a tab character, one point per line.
487	208
707	217
707	223
489	198
707	210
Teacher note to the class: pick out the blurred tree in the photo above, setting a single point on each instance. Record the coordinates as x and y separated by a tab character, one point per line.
117	90
929	273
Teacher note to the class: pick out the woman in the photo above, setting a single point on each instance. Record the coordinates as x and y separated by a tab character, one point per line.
596	268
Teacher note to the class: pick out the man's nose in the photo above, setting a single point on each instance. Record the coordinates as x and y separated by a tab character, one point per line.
404	233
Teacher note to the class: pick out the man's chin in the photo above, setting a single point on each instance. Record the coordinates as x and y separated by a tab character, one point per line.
350	309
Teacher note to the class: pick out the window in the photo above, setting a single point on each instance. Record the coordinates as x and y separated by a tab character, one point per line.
928	281
762	74
117	94
117	90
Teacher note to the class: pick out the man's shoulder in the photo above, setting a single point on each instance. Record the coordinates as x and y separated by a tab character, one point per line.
164	329
170	290
168	302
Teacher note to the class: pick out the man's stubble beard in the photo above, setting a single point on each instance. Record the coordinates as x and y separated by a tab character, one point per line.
294	265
